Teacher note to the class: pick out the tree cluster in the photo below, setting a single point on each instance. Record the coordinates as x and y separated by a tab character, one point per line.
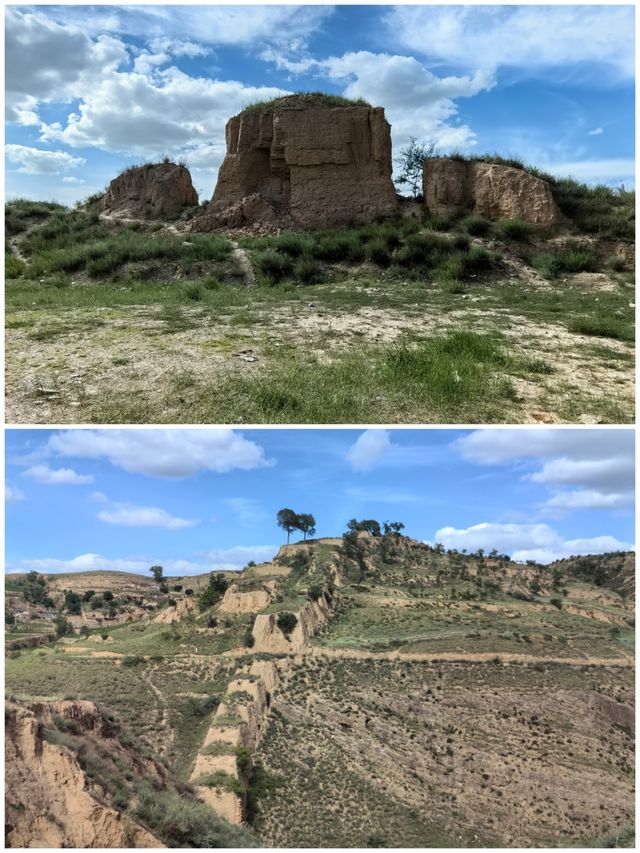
213	592
370	525
289	520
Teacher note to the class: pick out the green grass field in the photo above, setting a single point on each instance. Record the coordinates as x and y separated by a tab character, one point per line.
393	321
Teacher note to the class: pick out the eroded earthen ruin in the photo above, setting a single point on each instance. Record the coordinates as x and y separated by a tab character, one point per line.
454	186
308	167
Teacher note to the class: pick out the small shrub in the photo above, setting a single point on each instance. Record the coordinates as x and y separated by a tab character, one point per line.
377	250
306	270
573	259
193	293
616	263
477	259
273	264
547	265
249	639
314	592
438	223
132	660
120	800
515	229
13	267
294	244
337	247
578	260
477	226
557	602
287	622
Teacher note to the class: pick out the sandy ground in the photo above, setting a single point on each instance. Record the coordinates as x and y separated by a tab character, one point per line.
50	381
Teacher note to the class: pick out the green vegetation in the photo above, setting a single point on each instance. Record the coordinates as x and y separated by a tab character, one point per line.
287	622
306	100
289	520
398	320
213	592
187	823
600	210
574	259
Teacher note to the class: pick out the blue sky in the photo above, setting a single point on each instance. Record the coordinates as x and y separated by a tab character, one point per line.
90	89
198	499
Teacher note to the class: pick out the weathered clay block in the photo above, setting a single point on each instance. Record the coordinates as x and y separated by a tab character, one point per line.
454	186
308	168
153	191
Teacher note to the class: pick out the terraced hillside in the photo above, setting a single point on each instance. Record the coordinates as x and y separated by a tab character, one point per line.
371	691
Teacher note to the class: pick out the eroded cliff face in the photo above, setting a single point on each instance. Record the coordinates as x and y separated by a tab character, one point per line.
454	187
270	639
305	168
50	801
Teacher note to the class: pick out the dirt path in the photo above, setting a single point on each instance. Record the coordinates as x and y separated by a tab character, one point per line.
468	657
164	723
245	264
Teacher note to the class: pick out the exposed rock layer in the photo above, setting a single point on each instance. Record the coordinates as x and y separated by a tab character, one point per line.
497	192
152	191
50	802
307	168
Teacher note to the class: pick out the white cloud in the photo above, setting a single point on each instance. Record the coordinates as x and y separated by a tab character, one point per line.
71	180
48	62
13	495
147	114
97	562
195	24
600	464
613	472
369	449
495	446
588	499
57	476
526	37
37	161
140	109
417	102
526	541
128	515
82	563
238	556
170	453
597	131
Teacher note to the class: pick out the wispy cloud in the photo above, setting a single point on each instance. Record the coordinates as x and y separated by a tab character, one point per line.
57	476
526	541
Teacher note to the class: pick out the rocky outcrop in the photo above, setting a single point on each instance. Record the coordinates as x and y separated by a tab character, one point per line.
453	187
182	608
50	800
270	639
152	191
237	600
310	167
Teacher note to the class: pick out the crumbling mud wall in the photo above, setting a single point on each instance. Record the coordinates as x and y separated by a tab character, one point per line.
452	187
304	168
152	191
